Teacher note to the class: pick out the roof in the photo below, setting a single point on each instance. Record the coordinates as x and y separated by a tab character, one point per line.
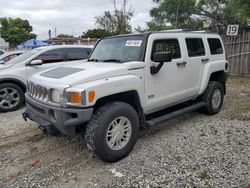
174	31
65	46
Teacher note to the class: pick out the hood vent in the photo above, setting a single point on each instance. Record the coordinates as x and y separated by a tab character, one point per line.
61	72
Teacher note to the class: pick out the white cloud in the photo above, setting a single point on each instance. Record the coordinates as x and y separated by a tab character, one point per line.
68	16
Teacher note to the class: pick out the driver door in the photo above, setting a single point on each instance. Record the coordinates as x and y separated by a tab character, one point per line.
50	59
169	85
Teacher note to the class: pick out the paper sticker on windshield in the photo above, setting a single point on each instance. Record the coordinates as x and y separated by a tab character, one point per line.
133	43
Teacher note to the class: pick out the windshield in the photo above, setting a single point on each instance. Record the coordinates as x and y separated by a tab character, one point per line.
118	49
23	57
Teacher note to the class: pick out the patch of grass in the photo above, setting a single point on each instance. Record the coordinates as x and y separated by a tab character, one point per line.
232	79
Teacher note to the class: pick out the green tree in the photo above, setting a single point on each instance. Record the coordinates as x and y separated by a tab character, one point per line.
97	33
64	36
15	31
177	13
118	21
193	13
219	12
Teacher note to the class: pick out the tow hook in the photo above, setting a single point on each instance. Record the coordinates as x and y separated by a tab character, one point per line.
25	116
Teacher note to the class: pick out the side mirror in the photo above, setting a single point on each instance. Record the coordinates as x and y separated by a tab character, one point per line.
35	62
161	58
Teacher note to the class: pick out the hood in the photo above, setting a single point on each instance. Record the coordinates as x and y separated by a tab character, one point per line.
5	66
86	72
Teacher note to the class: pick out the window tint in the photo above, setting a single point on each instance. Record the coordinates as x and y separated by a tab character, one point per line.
52	56
167	45
9	57
215	46
195	47
78	53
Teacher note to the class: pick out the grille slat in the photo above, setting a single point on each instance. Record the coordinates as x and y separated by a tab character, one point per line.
38	92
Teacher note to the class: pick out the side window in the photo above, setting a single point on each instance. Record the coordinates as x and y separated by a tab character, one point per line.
215	46
195	47
52	56
77	54
167	45
9	57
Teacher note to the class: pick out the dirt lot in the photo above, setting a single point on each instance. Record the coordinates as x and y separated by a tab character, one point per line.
194	150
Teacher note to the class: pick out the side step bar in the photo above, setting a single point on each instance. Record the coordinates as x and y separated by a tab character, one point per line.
164	118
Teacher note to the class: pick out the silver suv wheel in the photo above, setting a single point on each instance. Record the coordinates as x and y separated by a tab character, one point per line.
118	133
9	98
216	98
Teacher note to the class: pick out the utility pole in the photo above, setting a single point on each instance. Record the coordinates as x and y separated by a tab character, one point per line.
55	32
49	34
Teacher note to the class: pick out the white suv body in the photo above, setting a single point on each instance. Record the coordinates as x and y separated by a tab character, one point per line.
130	81
17	70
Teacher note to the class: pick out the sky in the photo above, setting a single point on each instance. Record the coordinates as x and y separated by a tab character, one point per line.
69	16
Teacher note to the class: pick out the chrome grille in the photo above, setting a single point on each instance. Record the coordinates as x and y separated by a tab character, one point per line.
38	92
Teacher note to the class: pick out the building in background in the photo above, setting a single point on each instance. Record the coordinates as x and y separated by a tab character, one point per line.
74	40
3	45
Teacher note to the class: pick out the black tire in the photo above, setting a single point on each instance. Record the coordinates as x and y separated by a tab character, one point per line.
20	93
207	97
97	128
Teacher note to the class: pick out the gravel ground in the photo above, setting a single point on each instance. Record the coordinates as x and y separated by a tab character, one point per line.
191	151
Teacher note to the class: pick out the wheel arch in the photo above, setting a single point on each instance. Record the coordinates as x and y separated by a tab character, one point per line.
219	76
14	81
131	97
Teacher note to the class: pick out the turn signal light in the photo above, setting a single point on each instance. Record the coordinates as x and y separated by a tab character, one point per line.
91	96
75	98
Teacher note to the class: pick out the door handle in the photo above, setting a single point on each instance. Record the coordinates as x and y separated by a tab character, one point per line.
181	64
205	60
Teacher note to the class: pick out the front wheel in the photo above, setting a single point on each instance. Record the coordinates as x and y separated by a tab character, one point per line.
213	97
11	97
113	131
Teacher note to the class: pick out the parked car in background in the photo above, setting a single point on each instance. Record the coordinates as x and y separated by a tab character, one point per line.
10	55
13	74
2	52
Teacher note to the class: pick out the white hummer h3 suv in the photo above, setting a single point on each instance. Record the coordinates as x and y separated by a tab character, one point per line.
130	81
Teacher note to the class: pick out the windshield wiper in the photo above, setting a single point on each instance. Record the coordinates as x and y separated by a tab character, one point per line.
112	60
95	60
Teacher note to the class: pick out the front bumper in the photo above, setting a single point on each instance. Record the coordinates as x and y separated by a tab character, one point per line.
64	119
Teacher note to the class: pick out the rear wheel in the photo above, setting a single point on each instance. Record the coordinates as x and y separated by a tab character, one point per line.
112	131
11	97
213	96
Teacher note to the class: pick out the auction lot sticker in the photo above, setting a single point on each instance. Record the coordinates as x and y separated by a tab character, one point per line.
133	43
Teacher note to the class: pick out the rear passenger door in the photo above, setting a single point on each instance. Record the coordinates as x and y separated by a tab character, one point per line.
76	54
196	60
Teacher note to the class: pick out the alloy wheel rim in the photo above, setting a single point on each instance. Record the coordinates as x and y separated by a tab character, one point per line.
9	98
216	98
118	133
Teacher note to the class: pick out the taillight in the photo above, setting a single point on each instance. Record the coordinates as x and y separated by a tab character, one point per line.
226	56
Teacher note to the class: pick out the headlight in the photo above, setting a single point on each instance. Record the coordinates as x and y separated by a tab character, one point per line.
56	96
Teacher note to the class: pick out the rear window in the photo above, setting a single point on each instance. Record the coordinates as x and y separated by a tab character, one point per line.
215	46
167	45
78	53
195	47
